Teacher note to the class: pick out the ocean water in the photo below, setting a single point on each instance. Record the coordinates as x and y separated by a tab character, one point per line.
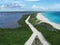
9	19
53	16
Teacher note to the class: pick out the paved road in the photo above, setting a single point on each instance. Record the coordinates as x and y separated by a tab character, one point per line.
35	33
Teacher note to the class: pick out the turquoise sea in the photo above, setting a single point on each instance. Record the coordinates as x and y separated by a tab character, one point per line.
53	16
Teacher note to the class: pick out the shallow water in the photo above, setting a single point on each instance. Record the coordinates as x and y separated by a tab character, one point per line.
53	16
9	19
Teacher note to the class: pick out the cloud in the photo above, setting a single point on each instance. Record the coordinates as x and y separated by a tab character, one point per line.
55	6
12	5
1	6
32	0
35	7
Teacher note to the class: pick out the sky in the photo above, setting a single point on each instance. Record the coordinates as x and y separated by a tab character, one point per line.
29	5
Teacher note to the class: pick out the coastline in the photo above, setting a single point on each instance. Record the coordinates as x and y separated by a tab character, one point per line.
44	19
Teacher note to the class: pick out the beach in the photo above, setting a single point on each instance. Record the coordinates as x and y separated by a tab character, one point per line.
44	19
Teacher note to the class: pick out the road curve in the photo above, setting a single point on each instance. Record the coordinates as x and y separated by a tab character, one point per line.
35	33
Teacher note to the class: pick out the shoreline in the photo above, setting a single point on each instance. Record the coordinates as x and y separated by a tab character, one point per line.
44	19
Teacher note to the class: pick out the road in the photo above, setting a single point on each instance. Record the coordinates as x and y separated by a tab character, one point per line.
35	33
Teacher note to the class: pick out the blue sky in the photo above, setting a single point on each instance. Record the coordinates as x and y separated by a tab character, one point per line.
29	5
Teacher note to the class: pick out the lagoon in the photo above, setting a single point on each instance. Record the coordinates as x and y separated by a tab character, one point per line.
10	19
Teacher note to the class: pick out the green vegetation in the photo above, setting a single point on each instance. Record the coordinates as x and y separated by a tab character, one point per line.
16	36
33	20
51	34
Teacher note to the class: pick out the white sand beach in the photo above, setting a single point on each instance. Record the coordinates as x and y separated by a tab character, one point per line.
44	19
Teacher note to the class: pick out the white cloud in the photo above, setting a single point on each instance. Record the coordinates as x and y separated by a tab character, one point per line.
55	6
1	6
35	7
32	0
12	5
